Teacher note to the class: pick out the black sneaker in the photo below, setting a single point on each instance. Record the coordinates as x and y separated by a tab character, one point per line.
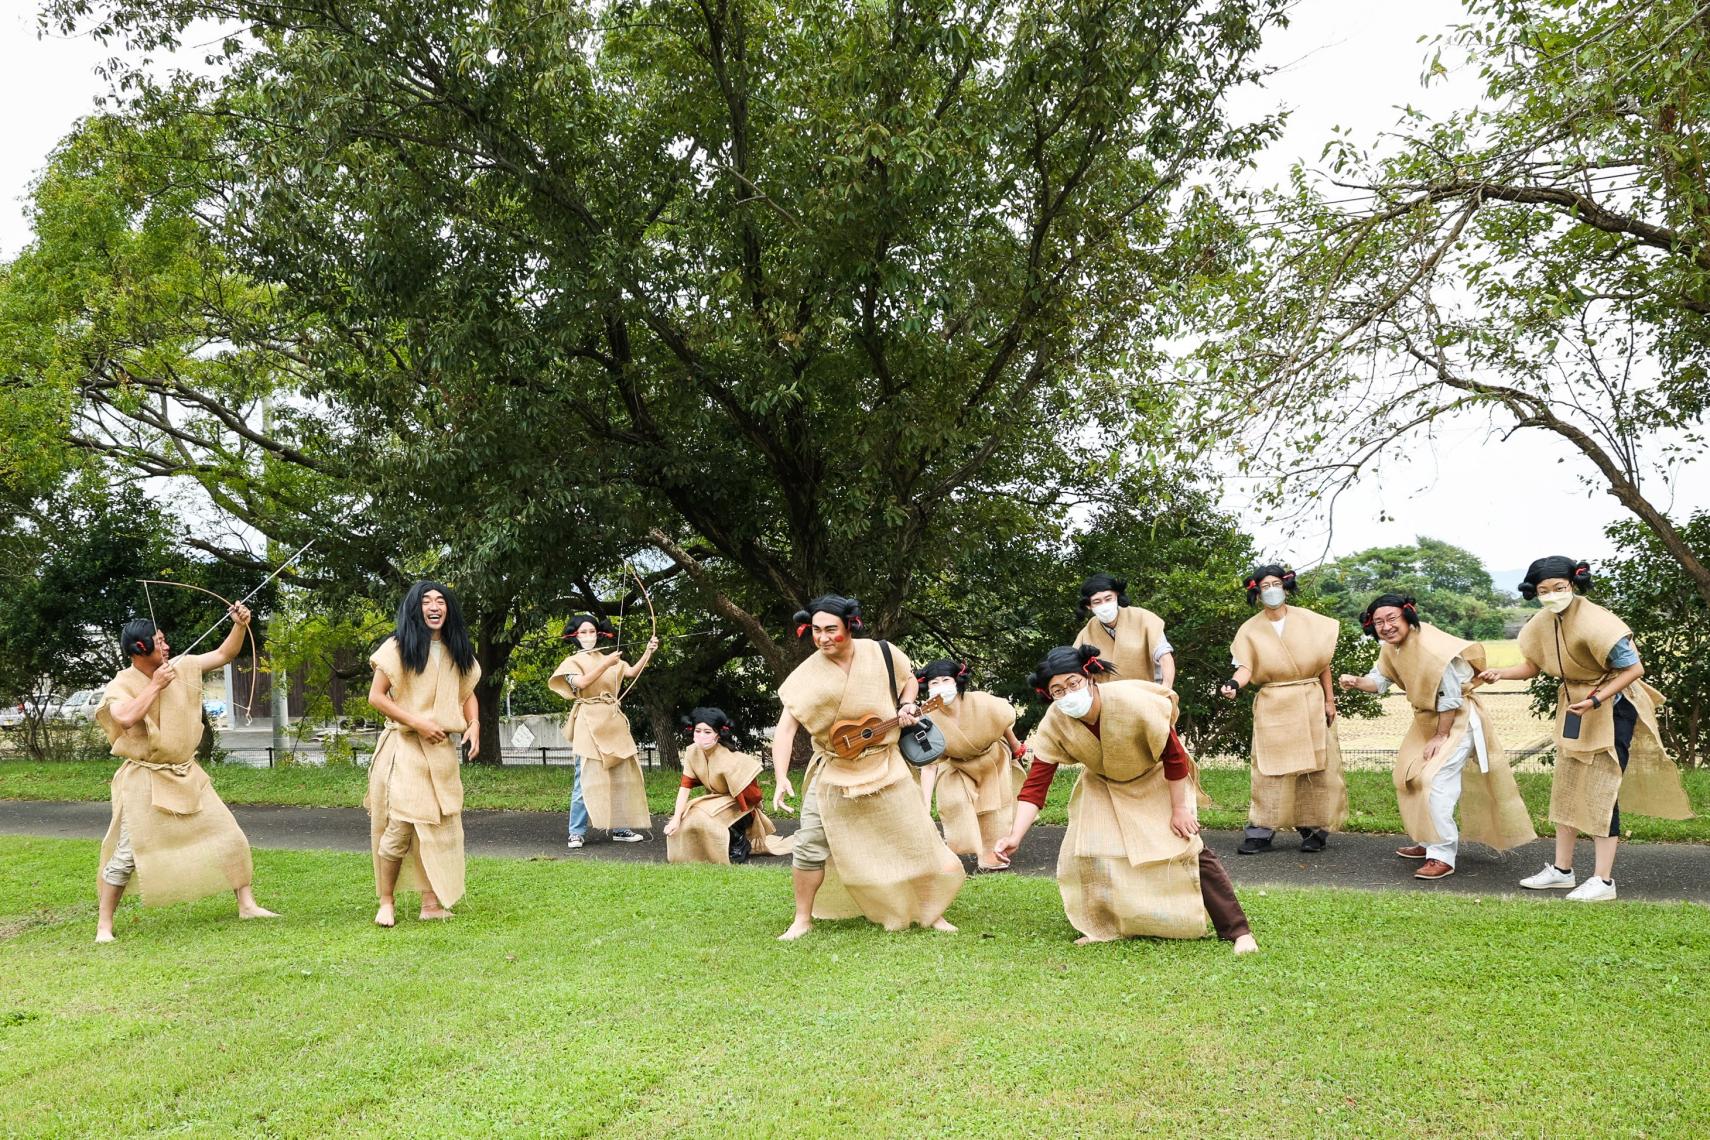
1317	841
1252	845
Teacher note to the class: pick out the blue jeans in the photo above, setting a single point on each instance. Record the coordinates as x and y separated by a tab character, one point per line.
579	810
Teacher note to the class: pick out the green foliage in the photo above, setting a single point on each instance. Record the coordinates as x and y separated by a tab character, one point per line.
1670	621
1453	588
802	284
69	580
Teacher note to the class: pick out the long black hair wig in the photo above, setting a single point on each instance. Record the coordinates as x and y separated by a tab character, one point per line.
415	639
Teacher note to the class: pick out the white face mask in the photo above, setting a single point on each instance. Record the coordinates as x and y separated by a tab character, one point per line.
1105	613
946	691
1272	596
587	640
1076	704
1556	603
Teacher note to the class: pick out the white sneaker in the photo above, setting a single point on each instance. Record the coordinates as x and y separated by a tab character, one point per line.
1548	879
627	837
1593	890
575	843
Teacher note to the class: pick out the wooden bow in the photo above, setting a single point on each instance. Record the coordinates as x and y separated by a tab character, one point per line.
249	631
652	618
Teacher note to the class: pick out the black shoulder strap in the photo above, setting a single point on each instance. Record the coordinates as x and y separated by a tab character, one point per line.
890	671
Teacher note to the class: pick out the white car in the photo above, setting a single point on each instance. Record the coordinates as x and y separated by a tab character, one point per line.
12	715
81	705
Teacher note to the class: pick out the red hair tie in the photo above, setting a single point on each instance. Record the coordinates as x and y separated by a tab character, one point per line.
801	629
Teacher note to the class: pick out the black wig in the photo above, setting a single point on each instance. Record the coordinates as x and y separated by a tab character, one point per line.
415	639
1578	574
714	719
944	667
848	609
1098	584
1259	573
604	630
1408	607
136	639
1082	659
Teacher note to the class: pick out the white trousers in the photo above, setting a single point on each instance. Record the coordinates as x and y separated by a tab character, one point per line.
1446	795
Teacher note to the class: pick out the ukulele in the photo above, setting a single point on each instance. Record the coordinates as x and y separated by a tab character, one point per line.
850	738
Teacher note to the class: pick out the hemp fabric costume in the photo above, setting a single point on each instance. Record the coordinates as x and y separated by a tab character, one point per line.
186	843
977	779
1297	758
1133	651
415	783
703	836
598	732
1491	809
887	861
1121	871
1587	780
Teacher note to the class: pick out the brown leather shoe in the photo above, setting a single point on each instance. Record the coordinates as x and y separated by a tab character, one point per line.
1434	869
1417	851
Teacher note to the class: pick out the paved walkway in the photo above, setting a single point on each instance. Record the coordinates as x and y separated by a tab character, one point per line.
1660	871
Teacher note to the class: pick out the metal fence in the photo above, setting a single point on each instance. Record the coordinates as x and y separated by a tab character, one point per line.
267	757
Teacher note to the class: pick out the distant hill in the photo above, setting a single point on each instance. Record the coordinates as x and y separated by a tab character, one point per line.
1507	581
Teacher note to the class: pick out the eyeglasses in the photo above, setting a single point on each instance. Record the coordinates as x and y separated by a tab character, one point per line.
1072	685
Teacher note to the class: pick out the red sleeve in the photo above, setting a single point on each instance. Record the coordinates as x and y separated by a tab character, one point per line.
690	782
1038	783
1176	762
750	797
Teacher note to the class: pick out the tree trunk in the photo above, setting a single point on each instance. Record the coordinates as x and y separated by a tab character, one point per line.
494	656
664	727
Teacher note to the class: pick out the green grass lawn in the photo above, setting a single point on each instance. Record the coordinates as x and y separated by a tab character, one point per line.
572	999
1371	795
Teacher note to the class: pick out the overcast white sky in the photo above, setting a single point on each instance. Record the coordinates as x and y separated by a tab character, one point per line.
1349	63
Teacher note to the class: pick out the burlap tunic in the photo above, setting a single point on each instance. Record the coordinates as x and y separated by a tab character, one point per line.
977	780
887	861
187	844
1492	811
1297	757
704	834
415	782
1139	632
612	785
1121	871
1588	780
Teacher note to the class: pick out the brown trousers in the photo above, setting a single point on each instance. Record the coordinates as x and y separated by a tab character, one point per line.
1218	894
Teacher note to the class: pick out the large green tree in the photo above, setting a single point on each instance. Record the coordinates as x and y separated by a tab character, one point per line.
1671	625
1454	589
1539	261
810	277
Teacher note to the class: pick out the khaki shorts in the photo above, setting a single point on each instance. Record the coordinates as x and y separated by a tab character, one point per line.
122	864
811	851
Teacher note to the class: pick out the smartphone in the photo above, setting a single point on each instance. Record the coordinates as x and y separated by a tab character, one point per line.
1570	726
463	748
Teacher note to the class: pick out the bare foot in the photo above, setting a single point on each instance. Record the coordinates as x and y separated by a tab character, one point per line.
385	916
797	928
103	936
255	910
433	913
944	925
1246	944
